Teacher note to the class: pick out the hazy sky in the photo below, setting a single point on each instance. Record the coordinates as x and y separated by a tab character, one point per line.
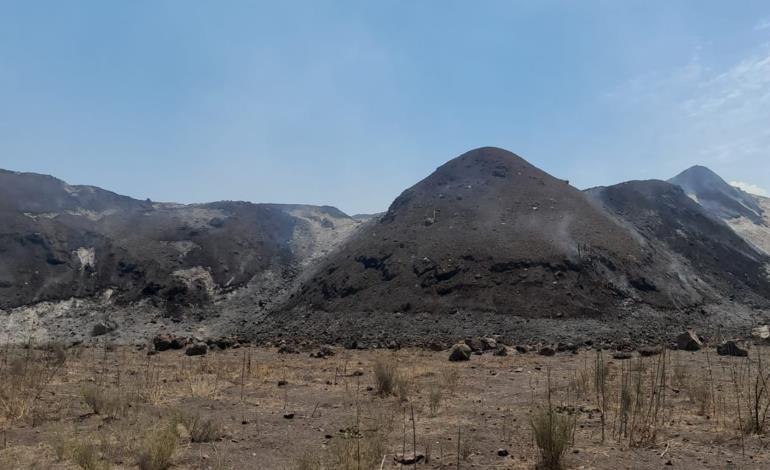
349	102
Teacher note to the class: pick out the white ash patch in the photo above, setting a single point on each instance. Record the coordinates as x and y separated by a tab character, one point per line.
86	256
92	215
44	215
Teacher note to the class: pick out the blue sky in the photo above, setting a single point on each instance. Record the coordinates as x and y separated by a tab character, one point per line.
349	102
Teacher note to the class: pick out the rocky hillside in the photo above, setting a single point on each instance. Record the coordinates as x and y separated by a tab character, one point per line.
706	253
59	241
747	214
489	232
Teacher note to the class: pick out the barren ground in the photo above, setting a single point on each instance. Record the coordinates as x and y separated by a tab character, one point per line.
340	421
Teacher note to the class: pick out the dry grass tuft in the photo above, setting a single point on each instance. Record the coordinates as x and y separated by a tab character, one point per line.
200	429
86	456
159	446
106	401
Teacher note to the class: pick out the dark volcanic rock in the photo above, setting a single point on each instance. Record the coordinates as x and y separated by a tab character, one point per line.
546	351
688	341
103	327
649	351
197	349
732	348
460	352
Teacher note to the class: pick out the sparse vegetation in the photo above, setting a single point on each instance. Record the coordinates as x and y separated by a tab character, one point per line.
86	456
106	401
201	429
148	417
158	449
552	432
390	379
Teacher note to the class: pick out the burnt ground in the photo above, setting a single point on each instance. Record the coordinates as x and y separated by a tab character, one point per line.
337	413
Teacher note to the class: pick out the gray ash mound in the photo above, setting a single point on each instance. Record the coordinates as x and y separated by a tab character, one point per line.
716	196
59	241
706	251
488	232
747	214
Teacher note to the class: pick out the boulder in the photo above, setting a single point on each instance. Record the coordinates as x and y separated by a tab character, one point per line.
522	349
197	349
688	341
488	344
621	355
162	342
287	349
225	343
649	351
501	350
323	351
103	327
761	333
546	351
460	352
732	348
178	342
475	344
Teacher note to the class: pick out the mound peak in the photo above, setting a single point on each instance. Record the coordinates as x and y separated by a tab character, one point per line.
717	196
488	231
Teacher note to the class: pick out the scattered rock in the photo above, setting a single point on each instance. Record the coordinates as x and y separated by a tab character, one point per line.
162	342
197	349
475	344
761	333
689	341
546	351
288	415
282	383
323	351
564	347
103	327
287	349
649	351
460	352
502	452
621	355
732	348
404	460
225	343
488	344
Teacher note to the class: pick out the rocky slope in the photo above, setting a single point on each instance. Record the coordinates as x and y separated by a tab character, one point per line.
747	214
59	241
706	253
490	232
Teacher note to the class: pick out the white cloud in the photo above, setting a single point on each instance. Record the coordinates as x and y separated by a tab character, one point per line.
701	113
750	188
763	24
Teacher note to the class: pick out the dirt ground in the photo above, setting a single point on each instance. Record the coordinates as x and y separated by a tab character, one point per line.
291	411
